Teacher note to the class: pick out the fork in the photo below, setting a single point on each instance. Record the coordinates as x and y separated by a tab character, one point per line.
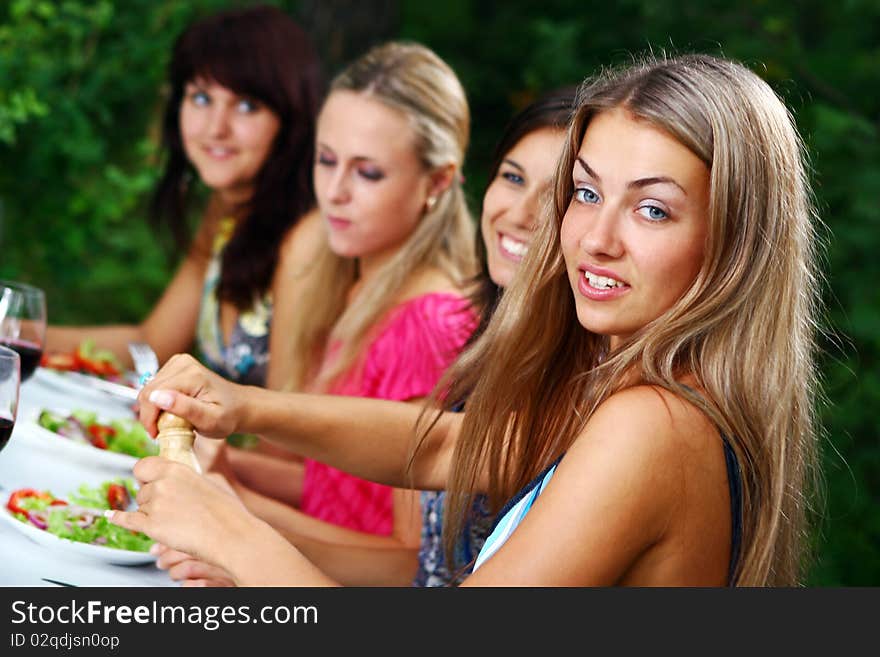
146	364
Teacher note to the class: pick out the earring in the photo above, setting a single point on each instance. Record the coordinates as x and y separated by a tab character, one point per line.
430	203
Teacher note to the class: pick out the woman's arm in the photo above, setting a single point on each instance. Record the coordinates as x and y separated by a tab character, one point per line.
369	438
299	527
349	565
640	498
354	565
190	514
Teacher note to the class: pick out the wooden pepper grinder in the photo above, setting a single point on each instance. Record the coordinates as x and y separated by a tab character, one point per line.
176	438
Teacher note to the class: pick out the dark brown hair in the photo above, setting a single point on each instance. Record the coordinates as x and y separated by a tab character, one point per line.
262	53
552	109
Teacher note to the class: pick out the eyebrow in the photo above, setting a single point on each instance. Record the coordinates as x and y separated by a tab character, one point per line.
634	184
513	163
356	158
201	81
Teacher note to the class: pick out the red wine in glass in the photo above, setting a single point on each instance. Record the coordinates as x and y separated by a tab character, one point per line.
10	378
6	425
29	353
23	323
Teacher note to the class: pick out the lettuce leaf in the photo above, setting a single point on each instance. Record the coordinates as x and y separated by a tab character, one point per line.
85	522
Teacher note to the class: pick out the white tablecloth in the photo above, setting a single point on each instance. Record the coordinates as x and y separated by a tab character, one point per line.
28	461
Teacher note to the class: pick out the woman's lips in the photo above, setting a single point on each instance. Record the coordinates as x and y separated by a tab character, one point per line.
219	153
338	223
600	285
512	248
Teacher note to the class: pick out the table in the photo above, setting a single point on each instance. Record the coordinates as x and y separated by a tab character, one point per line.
28	461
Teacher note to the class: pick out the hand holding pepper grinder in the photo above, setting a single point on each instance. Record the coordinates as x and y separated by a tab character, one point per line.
176	437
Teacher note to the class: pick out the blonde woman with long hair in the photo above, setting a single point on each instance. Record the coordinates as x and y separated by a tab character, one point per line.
383	312
643	399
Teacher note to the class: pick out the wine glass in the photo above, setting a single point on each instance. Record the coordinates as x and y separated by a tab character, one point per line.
23	323
10	376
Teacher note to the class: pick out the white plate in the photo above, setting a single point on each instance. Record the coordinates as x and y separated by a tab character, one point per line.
79	384
99	552
28	428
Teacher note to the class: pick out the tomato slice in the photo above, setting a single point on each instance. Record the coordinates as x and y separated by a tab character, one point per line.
104	368
81	359
85	364
59	361
118	497
99	434
21	494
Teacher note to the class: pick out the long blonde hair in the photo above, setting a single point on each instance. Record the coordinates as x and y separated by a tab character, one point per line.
414	81
744	329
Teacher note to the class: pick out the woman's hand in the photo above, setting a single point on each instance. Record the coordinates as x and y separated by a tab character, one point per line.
189	571
183	567
187	512
191	514
186	388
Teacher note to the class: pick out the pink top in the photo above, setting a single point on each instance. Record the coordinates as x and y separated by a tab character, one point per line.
413	346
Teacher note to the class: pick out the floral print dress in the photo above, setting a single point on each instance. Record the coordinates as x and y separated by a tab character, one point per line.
245	359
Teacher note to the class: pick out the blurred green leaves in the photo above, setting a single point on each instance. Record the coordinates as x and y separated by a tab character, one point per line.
16	108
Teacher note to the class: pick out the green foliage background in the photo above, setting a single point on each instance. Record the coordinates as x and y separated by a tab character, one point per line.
81	88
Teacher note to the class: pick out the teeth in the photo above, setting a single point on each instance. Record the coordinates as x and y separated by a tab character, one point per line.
513	246
601	282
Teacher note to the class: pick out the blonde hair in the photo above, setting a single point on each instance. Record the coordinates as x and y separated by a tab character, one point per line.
744	329
414	81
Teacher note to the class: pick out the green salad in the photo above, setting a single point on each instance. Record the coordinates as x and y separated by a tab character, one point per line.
125	436
81	517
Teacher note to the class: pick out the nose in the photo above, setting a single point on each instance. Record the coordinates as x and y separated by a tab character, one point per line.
218	121
524	212
336	188
601	237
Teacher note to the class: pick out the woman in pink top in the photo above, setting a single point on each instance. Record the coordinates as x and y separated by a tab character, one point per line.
384	312
415	344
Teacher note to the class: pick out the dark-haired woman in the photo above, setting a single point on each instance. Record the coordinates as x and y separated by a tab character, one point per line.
245	86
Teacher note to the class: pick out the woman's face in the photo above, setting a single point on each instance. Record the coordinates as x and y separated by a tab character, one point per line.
513	198
369	181
634	234
227	137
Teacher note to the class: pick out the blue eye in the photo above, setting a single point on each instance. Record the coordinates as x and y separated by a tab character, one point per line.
652	212
200	98
585	195
247	106
514	178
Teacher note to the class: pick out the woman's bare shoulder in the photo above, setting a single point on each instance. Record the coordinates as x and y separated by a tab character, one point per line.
299	248
652	427
626	496
428	280
304	236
